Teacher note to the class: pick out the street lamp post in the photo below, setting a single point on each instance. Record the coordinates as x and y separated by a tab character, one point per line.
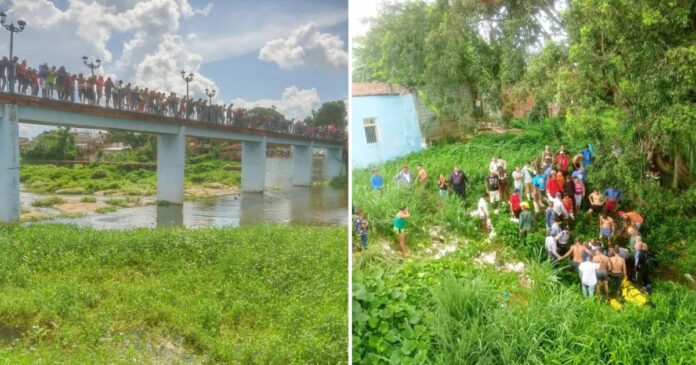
92	65
210	94
188	79
12	29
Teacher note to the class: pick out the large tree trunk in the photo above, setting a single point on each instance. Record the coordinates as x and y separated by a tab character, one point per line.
675	177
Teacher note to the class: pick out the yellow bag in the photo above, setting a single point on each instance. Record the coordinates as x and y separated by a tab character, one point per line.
631	294
615	304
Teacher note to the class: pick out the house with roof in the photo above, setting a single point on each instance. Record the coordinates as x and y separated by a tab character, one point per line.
385	123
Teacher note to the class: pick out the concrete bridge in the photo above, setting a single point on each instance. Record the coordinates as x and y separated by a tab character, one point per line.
171	145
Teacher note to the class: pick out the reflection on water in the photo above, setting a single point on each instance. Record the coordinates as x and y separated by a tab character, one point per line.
295	205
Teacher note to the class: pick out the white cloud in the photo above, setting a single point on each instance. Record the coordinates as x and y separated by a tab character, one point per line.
153	52
294	104
215	47
306	46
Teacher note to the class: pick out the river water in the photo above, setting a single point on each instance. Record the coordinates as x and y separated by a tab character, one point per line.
293	205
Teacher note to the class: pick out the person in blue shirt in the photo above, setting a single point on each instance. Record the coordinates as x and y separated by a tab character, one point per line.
539	182
613	196
376	180
586	155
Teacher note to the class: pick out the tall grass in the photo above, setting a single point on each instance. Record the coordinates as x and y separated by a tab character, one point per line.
264	294
453	312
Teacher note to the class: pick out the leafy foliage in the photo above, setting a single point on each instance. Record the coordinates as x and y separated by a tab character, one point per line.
52	145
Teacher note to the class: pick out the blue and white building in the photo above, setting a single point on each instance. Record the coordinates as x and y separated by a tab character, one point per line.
384	123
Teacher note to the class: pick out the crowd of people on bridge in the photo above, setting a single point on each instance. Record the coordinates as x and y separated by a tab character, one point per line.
56	83
552	186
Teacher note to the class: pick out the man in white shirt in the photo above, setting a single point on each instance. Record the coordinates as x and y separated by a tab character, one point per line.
483	212
552	249
588	276
493	166
558	207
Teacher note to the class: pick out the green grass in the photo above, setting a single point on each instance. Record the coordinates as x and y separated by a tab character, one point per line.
263	295
88	199
78	179
48	201
450	311
105	210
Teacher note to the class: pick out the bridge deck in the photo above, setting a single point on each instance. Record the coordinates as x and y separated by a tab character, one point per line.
195	128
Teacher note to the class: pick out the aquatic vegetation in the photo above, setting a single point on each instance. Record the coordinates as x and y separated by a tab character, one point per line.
48	201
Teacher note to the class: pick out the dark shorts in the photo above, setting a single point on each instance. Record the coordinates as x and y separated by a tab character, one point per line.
574	265
616	277
596	208
602	276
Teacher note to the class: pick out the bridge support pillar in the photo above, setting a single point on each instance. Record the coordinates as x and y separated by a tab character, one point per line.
171	157
9	164
302	164
333	162
253	166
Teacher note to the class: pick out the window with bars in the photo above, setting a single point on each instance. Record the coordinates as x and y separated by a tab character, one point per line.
371	132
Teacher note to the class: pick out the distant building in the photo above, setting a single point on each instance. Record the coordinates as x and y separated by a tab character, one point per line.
385	123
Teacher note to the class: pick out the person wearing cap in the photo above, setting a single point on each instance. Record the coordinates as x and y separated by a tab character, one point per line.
404	176
632	218
526	220
515	207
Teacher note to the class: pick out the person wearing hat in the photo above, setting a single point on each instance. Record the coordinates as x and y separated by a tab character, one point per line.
404	176
526	220
515	204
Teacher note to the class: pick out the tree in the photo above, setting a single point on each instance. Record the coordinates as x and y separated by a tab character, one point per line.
52	145
332	112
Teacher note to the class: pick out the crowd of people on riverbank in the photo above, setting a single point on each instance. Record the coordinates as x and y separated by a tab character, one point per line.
56	83
554	184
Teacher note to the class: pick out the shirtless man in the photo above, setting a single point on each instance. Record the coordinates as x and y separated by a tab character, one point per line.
606	227
577	250
422	176
602	272
618	269
596	201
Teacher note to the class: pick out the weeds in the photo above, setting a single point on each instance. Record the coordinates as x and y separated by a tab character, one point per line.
265	294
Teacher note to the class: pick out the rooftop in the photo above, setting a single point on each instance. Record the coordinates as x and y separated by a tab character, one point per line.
378	88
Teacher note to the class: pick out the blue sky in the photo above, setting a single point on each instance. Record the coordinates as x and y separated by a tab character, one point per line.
292	54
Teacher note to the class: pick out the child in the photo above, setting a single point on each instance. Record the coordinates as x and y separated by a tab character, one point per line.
360	225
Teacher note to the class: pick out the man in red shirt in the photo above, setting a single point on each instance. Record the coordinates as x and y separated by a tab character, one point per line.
552	187
515	203
563	161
